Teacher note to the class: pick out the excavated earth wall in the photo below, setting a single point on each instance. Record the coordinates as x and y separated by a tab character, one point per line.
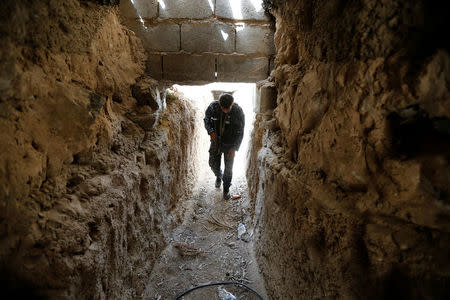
91	180
350	173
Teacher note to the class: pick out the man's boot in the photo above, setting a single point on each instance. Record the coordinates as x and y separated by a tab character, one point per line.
226	194
218	182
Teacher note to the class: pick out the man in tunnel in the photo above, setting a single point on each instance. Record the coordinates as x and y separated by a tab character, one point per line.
224	121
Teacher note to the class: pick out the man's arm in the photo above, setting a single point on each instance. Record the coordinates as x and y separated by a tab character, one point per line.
209	122
240	129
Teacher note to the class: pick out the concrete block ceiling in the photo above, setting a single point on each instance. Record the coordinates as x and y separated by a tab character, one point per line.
198	41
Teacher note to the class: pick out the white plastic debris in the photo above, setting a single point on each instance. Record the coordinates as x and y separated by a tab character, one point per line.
241	230
225	295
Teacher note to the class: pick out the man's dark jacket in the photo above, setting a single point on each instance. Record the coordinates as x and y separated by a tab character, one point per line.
229	128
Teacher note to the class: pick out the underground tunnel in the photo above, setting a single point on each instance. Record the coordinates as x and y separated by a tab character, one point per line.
343	175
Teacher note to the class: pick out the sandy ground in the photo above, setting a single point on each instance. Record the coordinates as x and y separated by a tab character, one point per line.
205	248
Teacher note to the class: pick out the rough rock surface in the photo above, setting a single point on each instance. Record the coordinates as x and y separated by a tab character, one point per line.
351	176
146	92
88	190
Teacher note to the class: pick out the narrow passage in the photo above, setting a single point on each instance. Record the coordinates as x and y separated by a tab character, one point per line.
205	248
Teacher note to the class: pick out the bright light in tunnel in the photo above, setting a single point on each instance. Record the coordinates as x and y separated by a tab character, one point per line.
236	8
211	4
138	13
201	97
257	4
163	5
224	35
240	26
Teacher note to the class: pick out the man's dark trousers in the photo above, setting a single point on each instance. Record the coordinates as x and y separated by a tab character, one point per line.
215	157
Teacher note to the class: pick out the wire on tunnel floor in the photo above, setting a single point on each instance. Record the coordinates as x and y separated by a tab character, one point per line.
218	283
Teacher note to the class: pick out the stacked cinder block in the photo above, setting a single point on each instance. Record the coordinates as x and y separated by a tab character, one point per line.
195	41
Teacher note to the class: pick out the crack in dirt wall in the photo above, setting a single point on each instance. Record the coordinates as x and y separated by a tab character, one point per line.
353	197
91	180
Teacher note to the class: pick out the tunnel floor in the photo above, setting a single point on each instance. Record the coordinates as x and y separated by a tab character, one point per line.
205	248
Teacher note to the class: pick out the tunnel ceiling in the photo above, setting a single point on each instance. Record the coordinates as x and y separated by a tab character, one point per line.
198	41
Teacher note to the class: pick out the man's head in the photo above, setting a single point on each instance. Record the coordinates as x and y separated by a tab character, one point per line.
226	102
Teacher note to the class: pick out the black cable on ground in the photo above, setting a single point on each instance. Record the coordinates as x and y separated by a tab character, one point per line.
218	283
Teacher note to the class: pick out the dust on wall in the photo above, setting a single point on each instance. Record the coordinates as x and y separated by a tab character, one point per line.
352	182
90	178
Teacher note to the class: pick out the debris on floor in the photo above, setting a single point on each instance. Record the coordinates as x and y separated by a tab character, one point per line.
224	294
241	230
237	196
204	249
219	222
187	250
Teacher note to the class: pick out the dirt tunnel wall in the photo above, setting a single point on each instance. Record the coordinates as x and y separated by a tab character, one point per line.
94	161
350	171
